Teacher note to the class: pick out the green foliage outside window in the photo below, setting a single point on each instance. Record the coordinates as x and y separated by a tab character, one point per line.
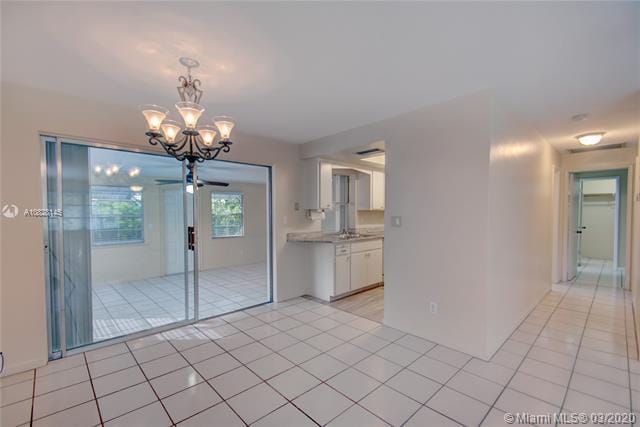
227	212
117	215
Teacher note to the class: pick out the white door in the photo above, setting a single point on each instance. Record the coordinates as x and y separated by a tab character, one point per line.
343	274
575	199
359	266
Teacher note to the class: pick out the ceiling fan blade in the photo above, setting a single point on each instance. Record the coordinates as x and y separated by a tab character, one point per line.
167	181
216	183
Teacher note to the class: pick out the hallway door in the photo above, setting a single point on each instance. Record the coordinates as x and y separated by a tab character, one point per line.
575	199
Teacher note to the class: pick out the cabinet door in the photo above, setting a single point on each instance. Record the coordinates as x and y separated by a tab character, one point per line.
377	191
325	185
374	267
316	184
359	275
342	278
364	192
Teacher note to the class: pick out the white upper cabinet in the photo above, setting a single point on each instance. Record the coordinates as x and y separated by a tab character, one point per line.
364	191
377	191
371	191
317	184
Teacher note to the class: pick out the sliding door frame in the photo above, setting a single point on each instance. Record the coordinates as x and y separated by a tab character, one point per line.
92	143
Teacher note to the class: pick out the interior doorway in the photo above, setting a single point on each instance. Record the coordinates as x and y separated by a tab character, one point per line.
597	233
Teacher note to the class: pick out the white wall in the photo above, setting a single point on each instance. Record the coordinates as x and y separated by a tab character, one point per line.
634	190
519	234
248	249
597	239
28	111
444	177
136	261
598	216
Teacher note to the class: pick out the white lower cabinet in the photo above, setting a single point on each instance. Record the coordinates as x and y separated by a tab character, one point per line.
359	273
342	279
366	268
374	266
343	268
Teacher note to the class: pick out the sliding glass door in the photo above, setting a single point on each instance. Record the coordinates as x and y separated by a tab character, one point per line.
233	236
144	243
116	257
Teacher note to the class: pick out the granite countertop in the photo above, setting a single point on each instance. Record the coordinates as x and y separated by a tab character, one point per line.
320	237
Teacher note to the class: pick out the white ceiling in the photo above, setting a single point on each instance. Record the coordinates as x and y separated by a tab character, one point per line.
300	71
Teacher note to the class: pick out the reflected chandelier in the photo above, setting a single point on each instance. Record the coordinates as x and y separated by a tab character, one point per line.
198	143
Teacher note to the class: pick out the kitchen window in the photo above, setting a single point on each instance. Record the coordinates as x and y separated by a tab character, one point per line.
227	214
117	216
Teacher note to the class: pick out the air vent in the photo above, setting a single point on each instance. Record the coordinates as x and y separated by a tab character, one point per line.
597	148
369	151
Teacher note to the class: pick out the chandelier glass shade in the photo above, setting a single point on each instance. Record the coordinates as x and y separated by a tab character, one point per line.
187	140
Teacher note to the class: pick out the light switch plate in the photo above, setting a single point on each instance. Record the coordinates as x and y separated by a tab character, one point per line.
396	221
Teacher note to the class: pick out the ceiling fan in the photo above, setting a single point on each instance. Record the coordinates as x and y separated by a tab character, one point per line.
201	182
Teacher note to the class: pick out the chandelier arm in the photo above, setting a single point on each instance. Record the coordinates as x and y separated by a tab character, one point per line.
206	152
178	146
212	153
169	148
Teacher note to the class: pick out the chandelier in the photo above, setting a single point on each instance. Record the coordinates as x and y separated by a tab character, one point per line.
197	143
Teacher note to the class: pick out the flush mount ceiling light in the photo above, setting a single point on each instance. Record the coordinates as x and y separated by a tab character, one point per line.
591	138
197	144
136	188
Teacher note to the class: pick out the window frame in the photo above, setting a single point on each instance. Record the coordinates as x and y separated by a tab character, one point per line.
113	243
243	229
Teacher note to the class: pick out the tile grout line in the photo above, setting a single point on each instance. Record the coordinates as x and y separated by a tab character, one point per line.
149	383
516	370
624	294
33	396
223	400
593	298
93	390
438	391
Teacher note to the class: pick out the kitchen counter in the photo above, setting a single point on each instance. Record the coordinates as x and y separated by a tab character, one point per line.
320	237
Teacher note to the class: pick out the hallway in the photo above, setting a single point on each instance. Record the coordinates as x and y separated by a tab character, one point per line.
601	271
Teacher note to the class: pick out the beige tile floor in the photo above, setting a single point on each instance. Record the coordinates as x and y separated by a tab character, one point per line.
301	363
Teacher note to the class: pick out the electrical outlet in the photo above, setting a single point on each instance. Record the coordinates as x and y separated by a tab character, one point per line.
433	307
396	221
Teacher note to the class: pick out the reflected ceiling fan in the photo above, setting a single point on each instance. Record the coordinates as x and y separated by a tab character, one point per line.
201	182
